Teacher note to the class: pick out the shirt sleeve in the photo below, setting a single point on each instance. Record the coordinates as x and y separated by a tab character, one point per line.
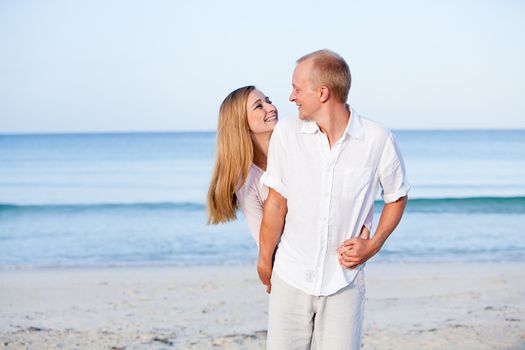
252	208
392	174
274	177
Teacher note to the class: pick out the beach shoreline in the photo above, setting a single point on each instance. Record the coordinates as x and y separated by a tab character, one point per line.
408	306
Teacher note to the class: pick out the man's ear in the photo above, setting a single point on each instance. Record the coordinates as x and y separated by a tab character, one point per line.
324	93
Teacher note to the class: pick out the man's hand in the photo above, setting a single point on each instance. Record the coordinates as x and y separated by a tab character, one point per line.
364	235
343	251
356	251
264	269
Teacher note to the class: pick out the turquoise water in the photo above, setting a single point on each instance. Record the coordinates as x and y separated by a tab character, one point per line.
139	199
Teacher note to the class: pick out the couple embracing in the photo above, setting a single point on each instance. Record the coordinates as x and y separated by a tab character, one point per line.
306	187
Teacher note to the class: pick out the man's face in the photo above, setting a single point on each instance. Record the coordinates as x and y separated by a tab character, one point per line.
304	93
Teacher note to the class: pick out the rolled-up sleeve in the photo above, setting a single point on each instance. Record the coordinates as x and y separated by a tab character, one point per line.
392	173
274	177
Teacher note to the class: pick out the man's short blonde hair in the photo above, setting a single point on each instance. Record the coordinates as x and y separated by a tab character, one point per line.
330	70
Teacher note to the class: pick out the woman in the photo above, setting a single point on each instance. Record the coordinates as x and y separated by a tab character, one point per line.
246	121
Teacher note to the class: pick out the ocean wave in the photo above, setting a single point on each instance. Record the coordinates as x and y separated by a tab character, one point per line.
497	205
514	205
180	206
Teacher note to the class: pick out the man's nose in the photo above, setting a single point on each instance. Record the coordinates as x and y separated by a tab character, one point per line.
292	97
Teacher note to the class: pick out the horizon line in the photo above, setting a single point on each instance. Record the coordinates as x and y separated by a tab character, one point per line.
122	132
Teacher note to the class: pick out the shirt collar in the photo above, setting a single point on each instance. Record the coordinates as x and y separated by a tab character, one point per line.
355	125
353	129
309	127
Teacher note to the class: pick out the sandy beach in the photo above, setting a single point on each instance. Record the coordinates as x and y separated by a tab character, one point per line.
408	306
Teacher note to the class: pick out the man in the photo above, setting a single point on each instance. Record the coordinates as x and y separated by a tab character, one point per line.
324	171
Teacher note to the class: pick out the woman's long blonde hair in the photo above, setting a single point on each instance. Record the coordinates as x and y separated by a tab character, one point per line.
233	158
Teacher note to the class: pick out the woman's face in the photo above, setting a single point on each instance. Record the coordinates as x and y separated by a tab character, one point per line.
262	114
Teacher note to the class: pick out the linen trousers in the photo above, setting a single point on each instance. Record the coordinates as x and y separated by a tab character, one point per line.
299	321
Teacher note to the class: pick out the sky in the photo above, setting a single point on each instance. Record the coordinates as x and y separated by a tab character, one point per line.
127	65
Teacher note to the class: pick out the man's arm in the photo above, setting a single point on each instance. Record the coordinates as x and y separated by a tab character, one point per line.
275	209
356	251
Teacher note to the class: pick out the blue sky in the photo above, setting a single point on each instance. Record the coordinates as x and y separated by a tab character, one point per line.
82	66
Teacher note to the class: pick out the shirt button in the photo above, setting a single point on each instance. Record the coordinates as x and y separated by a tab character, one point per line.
309	275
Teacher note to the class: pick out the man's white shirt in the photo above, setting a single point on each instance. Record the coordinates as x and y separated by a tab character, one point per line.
330	192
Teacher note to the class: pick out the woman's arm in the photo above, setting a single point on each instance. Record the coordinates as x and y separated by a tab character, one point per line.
272	225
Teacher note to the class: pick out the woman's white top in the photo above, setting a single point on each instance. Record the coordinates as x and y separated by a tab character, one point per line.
251	197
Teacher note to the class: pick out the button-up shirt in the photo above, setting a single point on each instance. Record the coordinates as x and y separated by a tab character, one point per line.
330	192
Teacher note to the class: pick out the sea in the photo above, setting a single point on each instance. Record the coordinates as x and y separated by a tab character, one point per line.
139	199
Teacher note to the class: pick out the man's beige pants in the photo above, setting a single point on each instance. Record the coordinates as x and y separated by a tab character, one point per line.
299	321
